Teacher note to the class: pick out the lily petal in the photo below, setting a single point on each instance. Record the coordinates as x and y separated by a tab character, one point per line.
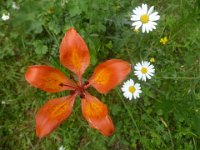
74	53
48	79
96	113
52	114
109	74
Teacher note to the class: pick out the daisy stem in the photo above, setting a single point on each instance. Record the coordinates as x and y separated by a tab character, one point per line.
153	87
129	113
129	56
143	109
170	135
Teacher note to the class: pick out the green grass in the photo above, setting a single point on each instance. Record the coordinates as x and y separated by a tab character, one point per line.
166	116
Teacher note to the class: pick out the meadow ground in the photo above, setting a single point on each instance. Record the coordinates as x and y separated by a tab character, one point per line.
167	114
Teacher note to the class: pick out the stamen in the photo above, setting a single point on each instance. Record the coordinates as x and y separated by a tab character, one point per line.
72	77
86	82
61	84
72	92
82	95
85	85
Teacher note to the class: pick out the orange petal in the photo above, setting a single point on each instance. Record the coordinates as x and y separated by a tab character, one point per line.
74	53
48	79
53	113
96	113
109	74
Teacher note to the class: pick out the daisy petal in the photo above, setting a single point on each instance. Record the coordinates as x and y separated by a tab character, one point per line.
144	7
135	18
138	25
150	10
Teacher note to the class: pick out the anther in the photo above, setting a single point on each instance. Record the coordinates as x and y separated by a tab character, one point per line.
86	82
61	84
82	96
72	92
72	77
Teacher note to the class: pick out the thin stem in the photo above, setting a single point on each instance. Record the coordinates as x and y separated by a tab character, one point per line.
171	138
129	113
169	132
142	108
194	143
129	56
153	87
52	35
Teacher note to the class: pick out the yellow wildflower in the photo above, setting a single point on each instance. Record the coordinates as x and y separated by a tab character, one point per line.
164	40
152	60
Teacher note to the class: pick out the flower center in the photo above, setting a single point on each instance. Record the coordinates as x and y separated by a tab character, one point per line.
131	89
144	70
144	18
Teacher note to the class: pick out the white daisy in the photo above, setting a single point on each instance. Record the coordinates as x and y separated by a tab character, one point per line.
144	18
131	90
144	70
61	148
5	16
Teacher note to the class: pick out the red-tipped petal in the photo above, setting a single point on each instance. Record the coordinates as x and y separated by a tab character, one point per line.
96	113
48	79
74	53
52	114
109	74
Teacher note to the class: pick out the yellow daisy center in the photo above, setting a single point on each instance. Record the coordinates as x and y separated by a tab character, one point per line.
144	70
144	18
132	89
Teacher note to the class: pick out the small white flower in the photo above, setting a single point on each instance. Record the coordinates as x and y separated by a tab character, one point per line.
14	6
144	70
131	90
5	16
144	18
61	148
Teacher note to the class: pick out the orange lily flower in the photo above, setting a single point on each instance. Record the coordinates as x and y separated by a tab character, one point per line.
74	55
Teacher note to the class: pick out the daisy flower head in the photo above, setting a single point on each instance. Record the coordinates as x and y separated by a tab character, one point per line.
131	89
144	18
144	70
5	16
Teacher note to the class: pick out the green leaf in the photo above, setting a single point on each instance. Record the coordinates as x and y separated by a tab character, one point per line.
109	45
40	49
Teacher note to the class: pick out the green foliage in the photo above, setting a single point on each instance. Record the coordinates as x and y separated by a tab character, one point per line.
167	116
40	49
